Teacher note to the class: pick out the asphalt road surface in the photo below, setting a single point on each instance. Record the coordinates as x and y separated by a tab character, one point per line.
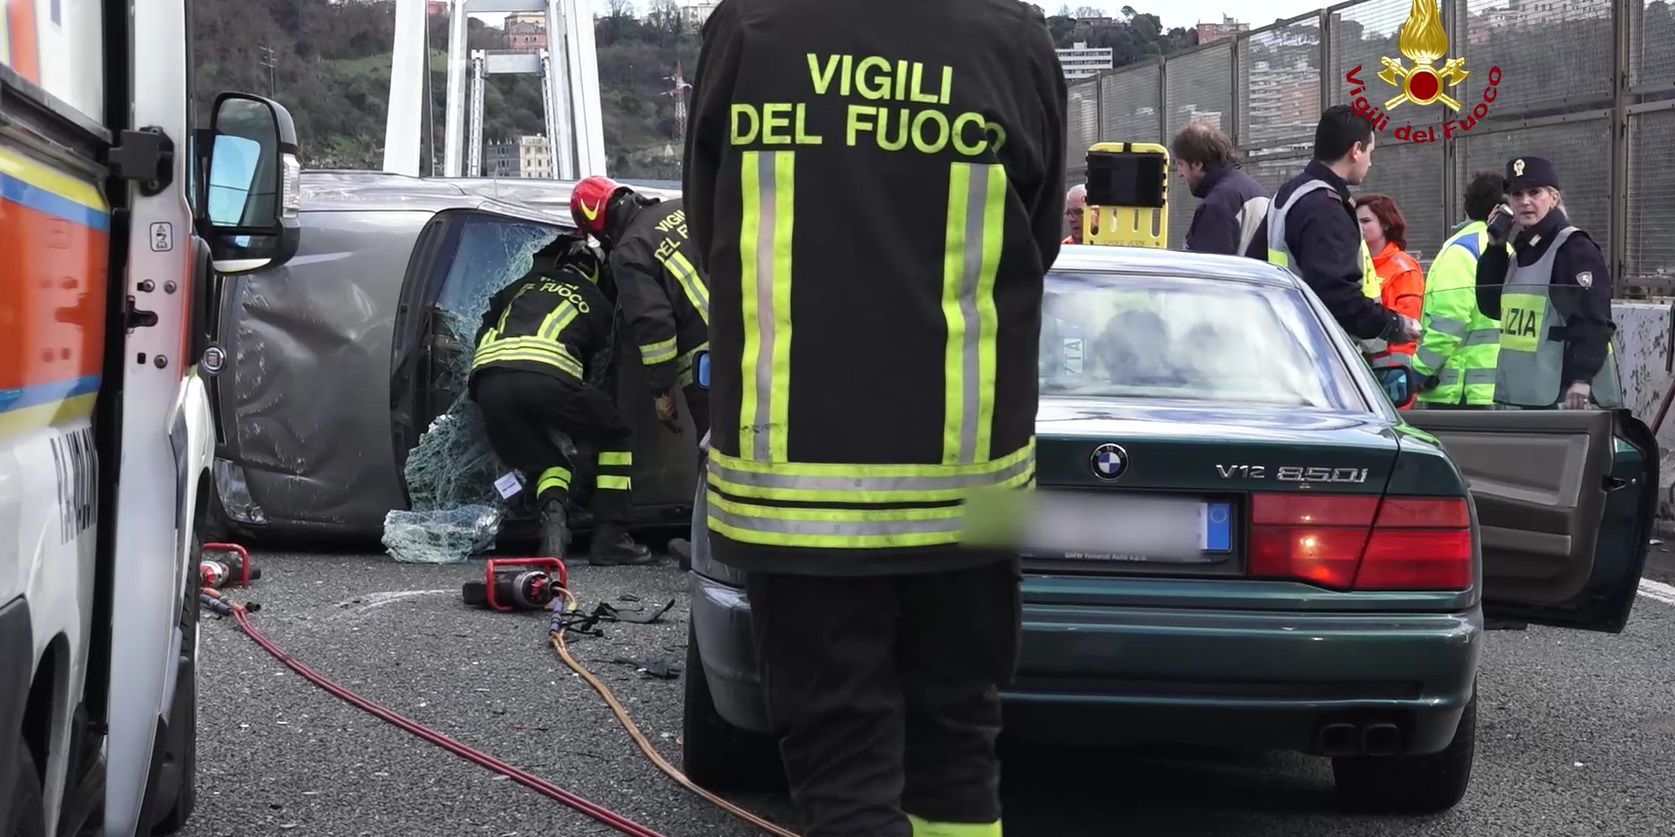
1577	732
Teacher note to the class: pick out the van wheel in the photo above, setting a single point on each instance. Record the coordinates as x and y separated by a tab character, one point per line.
714	753
183	714
29	814
1427	784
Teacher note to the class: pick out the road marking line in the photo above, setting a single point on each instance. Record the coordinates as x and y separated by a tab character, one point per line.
1657	590
372	600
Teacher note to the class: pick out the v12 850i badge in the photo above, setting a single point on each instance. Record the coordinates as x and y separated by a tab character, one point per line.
1293	473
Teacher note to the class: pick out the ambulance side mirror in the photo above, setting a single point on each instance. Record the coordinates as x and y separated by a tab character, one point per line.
250	195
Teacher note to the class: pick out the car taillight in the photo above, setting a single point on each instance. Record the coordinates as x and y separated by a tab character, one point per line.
1362	543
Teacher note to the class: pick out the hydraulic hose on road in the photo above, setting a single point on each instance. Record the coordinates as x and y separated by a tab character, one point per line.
556	637
528	780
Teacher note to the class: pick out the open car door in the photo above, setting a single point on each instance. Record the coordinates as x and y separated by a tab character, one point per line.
1566	501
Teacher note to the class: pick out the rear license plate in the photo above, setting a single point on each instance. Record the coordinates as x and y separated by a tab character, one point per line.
1110	526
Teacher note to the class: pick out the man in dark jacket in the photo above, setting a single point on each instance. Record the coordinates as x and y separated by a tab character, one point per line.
541	337
659	284
1233	205
875	374
1312	231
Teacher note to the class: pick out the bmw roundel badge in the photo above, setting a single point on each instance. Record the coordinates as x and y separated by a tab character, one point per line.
1108	461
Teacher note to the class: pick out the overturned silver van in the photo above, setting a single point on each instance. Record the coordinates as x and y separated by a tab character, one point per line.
341	358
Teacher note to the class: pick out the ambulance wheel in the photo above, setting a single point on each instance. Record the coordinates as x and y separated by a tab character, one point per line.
180	755
715	754
29	813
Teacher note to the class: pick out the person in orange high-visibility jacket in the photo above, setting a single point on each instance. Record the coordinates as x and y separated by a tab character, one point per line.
1401	280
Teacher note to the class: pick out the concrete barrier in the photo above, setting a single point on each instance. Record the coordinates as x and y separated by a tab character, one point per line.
1642	344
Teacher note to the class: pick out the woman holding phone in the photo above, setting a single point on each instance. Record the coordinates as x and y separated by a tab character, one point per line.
1552	294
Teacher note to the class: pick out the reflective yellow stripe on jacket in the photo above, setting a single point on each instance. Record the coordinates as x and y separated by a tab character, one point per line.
770	194
690	282
976	207
543	347
660	352
1371	285
839	503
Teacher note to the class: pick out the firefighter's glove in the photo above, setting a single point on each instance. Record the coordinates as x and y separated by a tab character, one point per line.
1577	397
666	411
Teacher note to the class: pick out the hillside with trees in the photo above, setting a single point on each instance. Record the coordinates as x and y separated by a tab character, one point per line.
329	62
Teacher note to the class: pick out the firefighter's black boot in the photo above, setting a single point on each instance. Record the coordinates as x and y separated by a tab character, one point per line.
555	529
613	546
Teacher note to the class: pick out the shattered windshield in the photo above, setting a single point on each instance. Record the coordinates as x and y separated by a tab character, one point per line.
492	252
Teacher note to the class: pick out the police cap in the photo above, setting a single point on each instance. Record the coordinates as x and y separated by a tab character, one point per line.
1530	172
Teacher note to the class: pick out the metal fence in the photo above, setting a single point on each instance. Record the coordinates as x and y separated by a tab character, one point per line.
1589	84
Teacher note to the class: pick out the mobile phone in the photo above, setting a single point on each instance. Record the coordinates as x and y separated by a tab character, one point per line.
1500	222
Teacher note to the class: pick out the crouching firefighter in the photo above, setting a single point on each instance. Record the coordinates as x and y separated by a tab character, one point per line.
540	337
664	295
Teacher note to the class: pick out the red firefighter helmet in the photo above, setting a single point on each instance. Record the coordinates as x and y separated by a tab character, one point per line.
588	201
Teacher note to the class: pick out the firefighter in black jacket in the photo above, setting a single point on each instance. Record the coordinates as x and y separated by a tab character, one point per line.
540	337
873	372
659	285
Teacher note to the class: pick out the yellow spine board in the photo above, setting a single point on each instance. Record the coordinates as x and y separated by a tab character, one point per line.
1130	226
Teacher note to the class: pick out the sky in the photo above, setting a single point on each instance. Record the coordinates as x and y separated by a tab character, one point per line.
1186	13
1173	13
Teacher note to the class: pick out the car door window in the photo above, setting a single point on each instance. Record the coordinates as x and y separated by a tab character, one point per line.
447	464
493	250
489	252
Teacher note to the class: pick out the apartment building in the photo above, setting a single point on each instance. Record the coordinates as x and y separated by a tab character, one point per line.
500	159
1533	13
1284	100
526	31
1209	33
694	14
535	157
1082	61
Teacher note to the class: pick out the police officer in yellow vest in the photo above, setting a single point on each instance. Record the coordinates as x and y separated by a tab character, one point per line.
1312	232
1457	353
1553	300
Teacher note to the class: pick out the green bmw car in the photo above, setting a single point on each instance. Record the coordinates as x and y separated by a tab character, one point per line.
1236	540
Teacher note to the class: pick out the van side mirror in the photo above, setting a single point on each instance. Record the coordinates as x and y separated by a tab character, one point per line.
250	197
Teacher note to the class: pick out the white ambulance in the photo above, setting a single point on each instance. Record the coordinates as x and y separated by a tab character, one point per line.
114	214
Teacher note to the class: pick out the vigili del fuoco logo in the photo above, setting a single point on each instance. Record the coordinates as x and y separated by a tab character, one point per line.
1422	41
